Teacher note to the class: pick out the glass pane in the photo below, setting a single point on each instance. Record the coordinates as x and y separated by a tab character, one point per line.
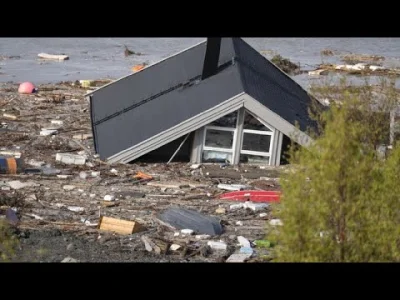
216	157
252	123
253	159
256	142
219	138
226	121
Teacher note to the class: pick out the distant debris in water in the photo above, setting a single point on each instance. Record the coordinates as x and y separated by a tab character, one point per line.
361	58
327	52
137	68
268	52
285	65
53	56
5	57
26	88
129	52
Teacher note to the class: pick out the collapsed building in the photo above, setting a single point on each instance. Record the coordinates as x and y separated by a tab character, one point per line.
218	101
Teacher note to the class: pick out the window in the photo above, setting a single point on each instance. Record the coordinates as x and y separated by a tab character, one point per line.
257	141
253	159
218	144
229	120
220	139
250	122
210	156
220	136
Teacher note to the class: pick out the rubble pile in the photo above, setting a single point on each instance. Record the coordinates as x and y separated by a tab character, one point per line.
66	205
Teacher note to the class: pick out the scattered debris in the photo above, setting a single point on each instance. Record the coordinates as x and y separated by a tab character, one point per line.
69	260
137	68
275	222
268	52
53	56
58	186
12	217
357	58
82	136
9	116
250	205
119	226
195	166
246	250
252	195
76	208
238	258
243	241
233	187
236	206
174	247
109	198
71	159
187	231
318	72
57	122
155	245
68	187
220	211
16	154
48	131
285	65
362	69
202	236
10	165
255	206
327	52
184	218
16	184
86	83
26	88
217	245
128	52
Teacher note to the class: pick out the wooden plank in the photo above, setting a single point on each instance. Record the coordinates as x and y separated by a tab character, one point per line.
53	57
119	226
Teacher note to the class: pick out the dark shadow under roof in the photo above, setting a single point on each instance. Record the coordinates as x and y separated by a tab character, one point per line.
144	104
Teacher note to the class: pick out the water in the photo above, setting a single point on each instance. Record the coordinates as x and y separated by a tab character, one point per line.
93	58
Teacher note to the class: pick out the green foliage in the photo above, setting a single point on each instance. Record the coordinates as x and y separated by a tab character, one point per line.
340	202
8	242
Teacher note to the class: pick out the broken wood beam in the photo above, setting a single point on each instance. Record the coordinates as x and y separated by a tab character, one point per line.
179	148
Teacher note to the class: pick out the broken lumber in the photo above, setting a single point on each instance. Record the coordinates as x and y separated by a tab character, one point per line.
157	245
53	56
119	226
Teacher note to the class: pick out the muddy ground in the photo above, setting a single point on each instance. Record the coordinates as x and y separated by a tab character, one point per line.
59	210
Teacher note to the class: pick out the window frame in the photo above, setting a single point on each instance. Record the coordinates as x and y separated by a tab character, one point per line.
271	133
239	129
217	149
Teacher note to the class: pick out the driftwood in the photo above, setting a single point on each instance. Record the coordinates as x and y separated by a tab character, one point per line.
53	57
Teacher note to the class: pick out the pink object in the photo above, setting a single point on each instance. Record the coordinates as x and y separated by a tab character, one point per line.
26	88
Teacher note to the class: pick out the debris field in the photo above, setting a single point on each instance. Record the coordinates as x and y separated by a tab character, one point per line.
66	205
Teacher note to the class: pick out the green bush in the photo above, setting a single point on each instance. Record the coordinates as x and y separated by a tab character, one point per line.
340	202
8	242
